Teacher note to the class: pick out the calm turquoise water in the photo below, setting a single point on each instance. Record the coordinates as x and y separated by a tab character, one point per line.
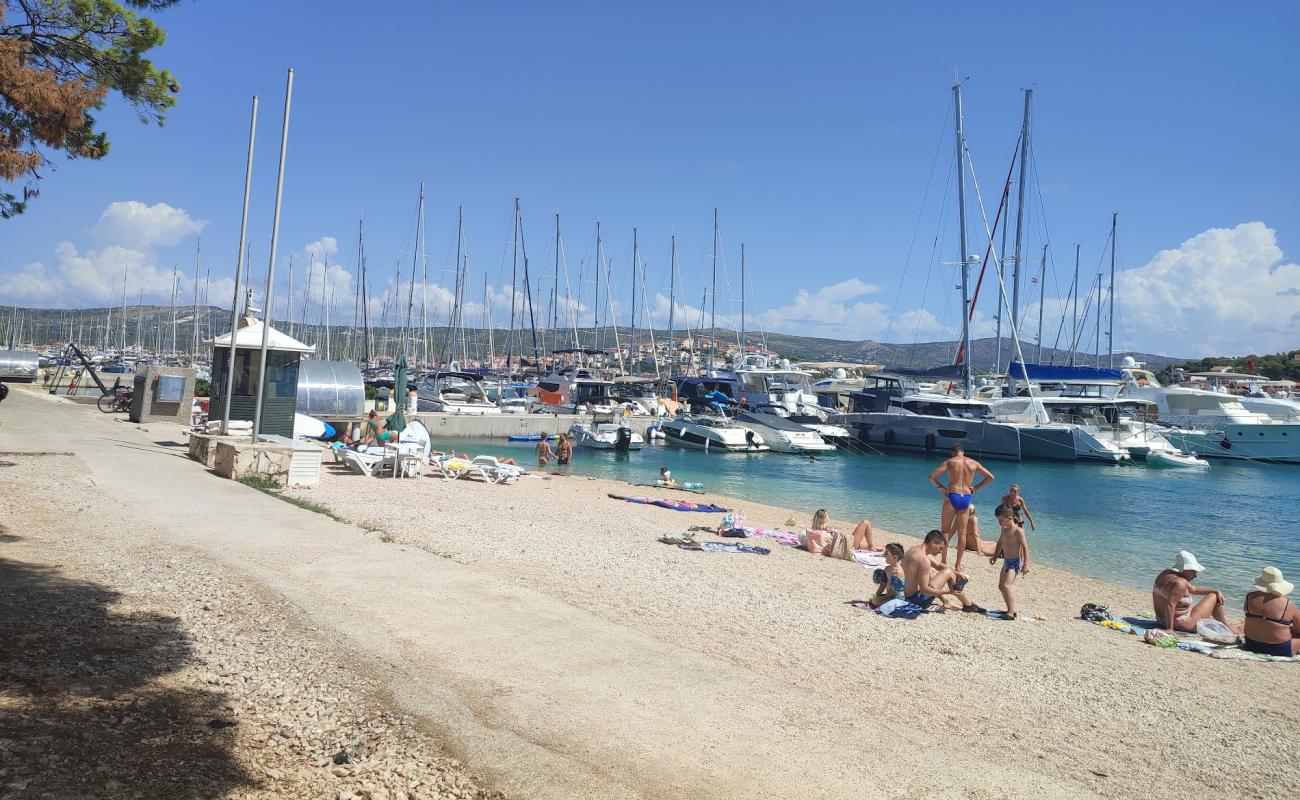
1118	523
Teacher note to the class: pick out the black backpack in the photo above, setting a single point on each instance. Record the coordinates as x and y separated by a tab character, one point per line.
1094	613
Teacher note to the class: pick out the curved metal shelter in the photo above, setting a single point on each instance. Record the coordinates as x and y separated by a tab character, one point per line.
330	389
19	365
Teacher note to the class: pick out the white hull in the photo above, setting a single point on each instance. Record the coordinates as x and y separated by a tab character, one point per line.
1273	443
730	439
604	437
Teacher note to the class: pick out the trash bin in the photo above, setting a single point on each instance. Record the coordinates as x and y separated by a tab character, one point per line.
381	399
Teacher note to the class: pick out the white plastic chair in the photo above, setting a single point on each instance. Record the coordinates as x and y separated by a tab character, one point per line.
494	471
362	463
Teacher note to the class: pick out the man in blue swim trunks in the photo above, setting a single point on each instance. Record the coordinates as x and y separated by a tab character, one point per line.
928	581
959	492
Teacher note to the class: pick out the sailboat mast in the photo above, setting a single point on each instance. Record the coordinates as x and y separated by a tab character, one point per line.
514	279
742	300
631	346
555	287
1020	211
415	262
961	240
125	271
194	319
1110	336
1096	342
595	309
1042	298
139	319
175	287
713	313
423	251
1074	340
365	289
672	294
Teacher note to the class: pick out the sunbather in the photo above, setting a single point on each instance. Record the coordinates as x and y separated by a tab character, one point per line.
890	582
929	581
821	536
970	540
1272	620
1172	596
376	433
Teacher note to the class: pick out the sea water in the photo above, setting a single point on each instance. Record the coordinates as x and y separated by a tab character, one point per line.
1120	523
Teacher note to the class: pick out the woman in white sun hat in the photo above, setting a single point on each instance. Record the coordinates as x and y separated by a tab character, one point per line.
1173	592
1272	620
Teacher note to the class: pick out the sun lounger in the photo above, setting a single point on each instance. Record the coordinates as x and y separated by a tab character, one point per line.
450	468
362	463
494	471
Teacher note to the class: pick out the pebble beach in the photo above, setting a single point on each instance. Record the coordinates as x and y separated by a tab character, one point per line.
1047	694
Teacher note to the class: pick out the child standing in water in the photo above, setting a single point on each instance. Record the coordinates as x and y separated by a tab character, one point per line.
1013	546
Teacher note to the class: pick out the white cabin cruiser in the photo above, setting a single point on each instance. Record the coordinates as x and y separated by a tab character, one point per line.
606	436
761	384
454	393
1216	425
712	434
782	434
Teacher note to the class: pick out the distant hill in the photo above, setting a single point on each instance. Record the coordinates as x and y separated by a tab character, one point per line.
152	326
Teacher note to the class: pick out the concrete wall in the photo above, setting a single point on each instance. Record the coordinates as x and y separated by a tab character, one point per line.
146	405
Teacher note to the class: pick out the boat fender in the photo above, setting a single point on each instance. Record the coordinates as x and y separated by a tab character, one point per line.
929	441
889	436
1225	444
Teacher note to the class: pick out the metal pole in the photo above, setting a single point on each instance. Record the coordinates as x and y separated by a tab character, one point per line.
514	278
270	269
713	313
1020	211
1074	340
631	346
672	296
961	227
595	311
742	300
239	271
1096	342
1110	336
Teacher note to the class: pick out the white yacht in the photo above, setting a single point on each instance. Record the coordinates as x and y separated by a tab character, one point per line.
454	393
782	434
1213	424
1054	431
606	436
762	384
712	434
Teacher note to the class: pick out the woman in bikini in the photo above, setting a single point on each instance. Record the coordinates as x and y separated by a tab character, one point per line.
1272	620
819	538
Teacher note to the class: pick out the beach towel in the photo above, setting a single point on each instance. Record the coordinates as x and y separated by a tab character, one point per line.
1153	633
725	547
869	558
898	608
788	538
675	505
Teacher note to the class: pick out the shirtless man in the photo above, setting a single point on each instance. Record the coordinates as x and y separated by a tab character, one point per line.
928	580
961	471
564	450
1173	592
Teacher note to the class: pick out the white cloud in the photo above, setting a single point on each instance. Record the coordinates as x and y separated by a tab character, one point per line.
1225	291
133	224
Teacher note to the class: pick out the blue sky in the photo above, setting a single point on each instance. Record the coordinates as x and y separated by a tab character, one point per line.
815	130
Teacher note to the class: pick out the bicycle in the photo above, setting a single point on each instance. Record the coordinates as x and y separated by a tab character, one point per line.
117	401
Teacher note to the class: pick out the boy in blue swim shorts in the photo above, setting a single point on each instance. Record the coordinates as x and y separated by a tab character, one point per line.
1013	546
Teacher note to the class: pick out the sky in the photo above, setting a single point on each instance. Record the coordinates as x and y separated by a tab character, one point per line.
823	134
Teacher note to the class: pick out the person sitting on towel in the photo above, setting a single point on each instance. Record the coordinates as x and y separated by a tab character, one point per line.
1172	596
890	582
929	580
819	538
1272	620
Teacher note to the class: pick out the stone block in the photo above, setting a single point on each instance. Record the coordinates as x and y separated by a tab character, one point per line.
239	459
151	402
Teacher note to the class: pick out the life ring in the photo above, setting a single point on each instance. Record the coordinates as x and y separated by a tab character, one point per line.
929	441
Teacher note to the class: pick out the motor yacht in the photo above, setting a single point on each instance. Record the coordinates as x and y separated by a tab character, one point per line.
712	434
454	393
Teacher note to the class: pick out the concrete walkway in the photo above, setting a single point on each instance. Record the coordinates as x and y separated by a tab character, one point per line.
543	699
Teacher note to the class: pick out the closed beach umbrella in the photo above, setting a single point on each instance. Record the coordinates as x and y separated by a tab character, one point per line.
397	422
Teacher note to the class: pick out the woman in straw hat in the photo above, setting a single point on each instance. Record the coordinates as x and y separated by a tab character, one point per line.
1272	620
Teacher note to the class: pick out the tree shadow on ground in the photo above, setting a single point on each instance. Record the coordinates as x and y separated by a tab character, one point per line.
87	708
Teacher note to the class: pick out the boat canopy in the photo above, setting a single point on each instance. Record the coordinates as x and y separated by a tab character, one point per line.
1063	374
